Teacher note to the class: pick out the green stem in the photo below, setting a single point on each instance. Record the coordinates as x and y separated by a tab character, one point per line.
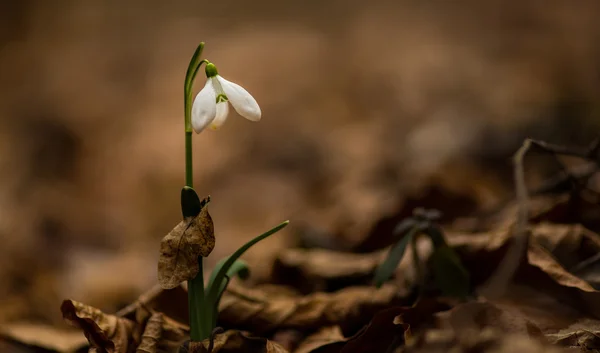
198	330
189	169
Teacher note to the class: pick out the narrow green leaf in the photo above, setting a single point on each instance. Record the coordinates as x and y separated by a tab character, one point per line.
213	292
386	269
215	310
449	273
192	69
239	268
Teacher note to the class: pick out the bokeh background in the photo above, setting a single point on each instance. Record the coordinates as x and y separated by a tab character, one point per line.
368	108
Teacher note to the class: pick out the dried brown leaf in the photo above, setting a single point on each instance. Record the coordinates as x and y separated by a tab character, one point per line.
105	333
263	309
161	334
180	249
152	334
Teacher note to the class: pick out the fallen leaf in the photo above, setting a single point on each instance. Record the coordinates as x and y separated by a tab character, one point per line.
105	333
161	334
152	334
179	250
264	309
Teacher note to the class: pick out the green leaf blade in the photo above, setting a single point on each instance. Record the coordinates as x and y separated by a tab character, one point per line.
386	269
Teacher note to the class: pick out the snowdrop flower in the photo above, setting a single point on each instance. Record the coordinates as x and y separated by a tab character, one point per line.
211	104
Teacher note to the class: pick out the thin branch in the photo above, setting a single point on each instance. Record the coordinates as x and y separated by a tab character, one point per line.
496	286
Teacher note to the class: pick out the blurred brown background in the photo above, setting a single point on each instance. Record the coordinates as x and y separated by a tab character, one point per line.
365	105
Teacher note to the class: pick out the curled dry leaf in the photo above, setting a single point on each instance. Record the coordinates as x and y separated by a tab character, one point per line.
161	334
264	309
152	334
105	333
179	250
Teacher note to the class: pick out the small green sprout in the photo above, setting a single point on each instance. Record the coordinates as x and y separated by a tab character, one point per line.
449	274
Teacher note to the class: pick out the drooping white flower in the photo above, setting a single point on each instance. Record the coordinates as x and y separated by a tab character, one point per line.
211	106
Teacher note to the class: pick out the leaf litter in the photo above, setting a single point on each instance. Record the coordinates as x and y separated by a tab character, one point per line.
321	300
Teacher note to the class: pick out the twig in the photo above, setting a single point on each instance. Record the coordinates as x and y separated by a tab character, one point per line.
498	282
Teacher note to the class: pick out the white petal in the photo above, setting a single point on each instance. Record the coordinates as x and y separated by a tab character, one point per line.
222	112
204	109
242	101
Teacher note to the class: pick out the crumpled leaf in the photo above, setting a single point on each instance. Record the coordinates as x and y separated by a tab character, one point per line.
233	341
266	308
161	334
152	334
179	250
105	333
